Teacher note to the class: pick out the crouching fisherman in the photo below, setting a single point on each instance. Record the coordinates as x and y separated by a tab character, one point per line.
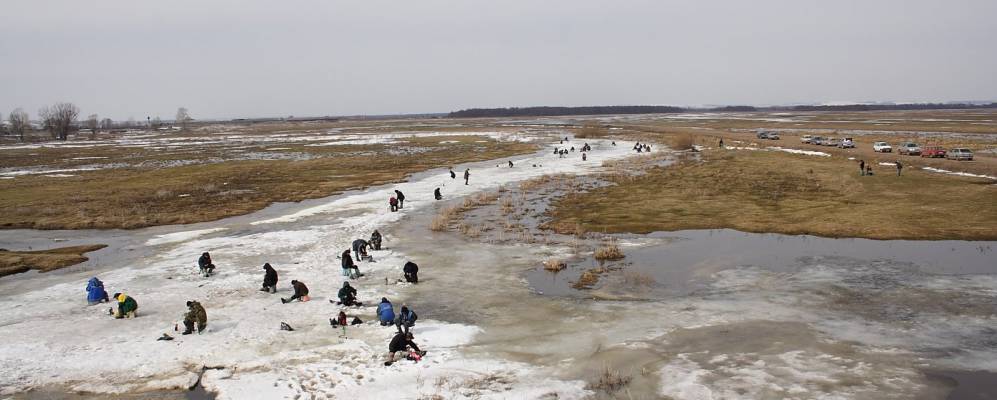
375	240
406	319
411	271
95	291
195	315
300	292
205	265
385	312
269	279
402	342
348	295
127	306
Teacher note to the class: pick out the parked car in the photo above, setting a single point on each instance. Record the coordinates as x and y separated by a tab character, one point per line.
773	136
933	152
830	142
817	140
806	138
762	135
847	143
959	154
882	147
910	149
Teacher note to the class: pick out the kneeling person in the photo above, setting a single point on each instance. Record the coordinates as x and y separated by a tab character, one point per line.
195	315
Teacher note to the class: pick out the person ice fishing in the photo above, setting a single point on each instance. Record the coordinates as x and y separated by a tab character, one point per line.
510	163
385	312
452	174
467	175
393	204
401	198
406	319
411	271
375	240
348	295
205	265
437	195
584	157
721	143
127	306
95	291
350	269
360	249
300	292
195	315
269	279
862	167
402	342
341	320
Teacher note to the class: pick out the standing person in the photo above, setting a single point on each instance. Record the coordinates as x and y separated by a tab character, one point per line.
721	143
95	291
452	174
385	312
861	167
467	175
375	240
583	157
350	269
269	279
411	271
360	249
899	167
406	319
393	203
127	306
437	194
195	314
401	342
401	198
205	265
300	292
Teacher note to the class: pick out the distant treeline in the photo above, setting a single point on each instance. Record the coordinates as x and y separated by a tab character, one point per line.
539	111
597	110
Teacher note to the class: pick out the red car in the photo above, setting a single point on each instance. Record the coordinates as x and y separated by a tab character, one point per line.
933	152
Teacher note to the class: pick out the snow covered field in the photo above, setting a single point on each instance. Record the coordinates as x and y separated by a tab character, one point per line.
53	340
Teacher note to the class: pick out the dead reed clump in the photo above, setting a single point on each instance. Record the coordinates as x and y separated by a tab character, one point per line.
587	279
441	222
555	265
609	252
638	279
684	141
610	381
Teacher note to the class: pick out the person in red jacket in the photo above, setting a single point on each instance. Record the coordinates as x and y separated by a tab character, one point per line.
393	203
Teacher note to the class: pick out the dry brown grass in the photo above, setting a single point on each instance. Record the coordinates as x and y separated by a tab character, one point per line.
682	141
609	252
638	279
555	265
588	278
785	193
610	380
15	262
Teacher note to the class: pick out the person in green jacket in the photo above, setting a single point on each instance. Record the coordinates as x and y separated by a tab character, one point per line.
127	306
195	314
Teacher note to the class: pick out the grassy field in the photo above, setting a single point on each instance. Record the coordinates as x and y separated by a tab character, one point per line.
15	262
768	191
139	197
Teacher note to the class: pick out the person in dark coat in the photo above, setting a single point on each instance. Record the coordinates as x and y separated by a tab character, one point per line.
899	167
411	271
350	269
862	167
269	279
360	249
437	195
452	174
401	198
401	342
348	295
406	319
205	265
195	315
300	292
375	240
510	163
467	175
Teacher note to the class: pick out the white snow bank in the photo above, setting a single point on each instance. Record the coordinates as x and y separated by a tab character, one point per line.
798	151
947	172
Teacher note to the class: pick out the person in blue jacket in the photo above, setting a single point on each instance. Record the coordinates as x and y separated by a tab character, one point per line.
385	312
95	291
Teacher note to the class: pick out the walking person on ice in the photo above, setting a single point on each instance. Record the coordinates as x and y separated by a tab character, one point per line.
467	175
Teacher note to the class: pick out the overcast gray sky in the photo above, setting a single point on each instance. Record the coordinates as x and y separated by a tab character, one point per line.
242	58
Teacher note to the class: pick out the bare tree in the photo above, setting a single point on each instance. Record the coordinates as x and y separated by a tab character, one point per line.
106	124
183	118
18	122
92	125
59	119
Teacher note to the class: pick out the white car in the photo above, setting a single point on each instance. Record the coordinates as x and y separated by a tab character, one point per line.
882	147
806	138
847	143
833	142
